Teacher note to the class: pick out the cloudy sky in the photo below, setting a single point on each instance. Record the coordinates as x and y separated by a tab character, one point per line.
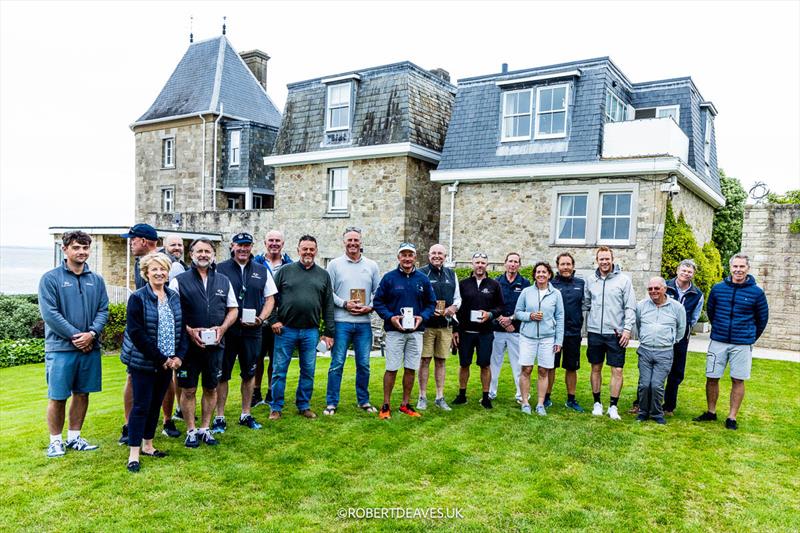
74	75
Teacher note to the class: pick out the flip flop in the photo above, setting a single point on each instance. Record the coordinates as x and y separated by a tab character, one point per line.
368	408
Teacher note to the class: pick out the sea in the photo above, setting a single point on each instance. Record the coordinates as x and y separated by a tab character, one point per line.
21	268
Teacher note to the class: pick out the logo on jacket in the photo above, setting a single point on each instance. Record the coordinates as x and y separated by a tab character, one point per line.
220	292
67	284
256	275
485	290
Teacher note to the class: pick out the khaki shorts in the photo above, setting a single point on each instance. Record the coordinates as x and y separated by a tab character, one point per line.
436	342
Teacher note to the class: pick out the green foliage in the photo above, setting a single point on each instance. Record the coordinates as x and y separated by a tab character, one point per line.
728	220
789	197
15	352
465	272
115	327
18	317
794	227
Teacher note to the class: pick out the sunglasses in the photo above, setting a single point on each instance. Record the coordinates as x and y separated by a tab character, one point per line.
654	289
348	229
480	255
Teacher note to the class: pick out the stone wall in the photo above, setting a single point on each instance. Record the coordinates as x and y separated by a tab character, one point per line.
697	213
500	217
775	263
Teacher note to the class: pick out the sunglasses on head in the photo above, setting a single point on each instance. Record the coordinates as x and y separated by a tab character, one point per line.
480	255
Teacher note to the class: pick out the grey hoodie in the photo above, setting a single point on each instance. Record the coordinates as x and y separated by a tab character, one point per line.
610	302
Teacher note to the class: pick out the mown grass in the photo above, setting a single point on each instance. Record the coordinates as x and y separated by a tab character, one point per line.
500	469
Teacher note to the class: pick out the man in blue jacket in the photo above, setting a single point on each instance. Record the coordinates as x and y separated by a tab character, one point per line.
738	311
74	306
572	289
403	289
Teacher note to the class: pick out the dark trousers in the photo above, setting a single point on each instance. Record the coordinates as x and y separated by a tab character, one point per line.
675	375
148	393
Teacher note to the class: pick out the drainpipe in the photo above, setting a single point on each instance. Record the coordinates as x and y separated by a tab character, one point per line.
203	167
214	173
452	189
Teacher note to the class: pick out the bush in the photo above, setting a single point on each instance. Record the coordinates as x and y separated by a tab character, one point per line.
679	243
21	352
115	327
526	272
728	219
18	317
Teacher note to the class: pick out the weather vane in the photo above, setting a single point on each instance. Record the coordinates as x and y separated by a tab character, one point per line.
759	192
191	29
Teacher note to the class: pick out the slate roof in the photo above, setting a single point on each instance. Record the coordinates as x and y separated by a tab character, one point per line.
473	138
211	76
394	103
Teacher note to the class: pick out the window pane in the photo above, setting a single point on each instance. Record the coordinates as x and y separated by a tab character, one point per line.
565	228
545	123
579	228
579	208
558	122
606	228
623	204
567	205
546	100
339	117
524	102
523	126
609	204
560	98
510	104
623	225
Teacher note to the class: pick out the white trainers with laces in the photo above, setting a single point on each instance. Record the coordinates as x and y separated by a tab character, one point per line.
597	410
81	445
422	403
613	414
56	449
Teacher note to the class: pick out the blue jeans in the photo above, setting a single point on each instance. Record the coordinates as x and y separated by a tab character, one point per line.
305	340
360	335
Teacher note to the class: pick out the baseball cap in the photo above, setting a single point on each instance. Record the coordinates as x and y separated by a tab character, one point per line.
141	230
407	246
242	238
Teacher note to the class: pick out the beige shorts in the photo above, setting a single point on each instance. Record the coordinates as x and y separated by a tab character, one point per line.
436	342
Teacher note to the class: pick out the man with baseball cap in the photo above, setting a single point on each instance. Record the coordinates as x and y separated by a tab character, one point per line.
255	289
404	300
143	239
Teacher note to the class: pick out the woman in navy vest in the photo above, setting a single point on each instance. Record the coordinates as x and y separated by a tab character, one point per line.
154	345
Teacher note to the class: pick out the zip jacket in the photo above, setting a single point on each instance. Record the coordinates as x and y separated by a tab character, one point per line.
692	301
399	289
551	304
660	327
571	289
610	302
738	311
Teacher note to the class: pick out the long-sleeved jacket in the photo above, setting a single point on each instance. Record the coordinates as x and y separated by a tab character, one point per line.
738	311
140	344
692	301
511	292
660	326
572	289
610	301
399	289
551	304
488	296
71	304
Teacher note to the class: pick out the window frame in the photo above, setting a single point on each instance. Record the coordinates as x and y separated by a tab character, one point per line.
536	134
331	171
164	200
561	195
503	115
235	150
622	106
600	217
593	213
165	142
707	139
329	108
677	109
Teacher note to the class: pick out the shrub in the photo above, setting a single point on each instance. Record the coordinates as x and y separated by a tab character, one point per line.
18	316
21	352
728	219
526	272
115	327
679	243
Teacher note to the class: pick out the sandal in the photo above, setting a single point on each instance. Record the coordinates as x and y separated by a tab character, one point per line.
330	410
368	408
154	453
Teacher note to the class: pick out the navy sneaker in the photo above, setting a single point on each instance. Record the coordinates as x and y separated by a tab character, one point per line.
191	440
80	444
574	405
659	420
170	430
123	439
208	438
250	422
257	399
548	403
730	423
219	425
705	417
178	415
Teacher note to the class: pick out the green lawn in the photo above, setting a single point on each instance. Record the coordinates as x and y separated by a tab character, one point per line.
500	469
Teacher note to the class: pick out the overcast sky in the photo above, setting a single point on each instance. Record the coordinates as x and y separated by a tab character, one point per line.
75	75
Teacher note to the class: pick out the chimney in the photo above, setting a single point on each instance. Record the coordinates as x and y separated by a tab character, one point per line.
256	61
441	73
504	68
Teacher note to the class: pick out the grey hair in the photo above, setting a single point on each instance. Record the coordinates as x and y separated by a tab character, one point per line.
661	281
739	255
688	263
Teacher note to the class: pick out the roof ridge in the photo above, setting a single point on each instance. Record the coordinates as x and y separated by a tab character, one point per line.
264	90
212	105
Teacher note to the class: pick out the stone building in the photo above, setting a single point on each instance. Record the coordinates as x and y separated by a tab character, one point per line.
356	149
571	156
775	263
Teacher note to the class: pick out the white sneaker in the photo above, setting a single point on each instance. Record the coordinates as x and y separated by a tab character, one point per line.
492	395
612	413
422	403
597	410
56	449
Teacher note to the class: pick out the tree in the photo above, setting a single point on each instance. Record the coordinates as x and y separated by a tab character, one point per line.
728	220
679	243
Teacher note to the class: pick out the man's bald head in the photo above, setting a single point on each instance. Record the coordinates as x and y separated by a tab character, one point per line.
437	255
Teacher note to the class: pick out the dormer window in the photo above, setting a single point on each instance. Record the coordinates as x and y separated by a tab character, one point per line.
337	110
517	115
551	111
615	108
236	145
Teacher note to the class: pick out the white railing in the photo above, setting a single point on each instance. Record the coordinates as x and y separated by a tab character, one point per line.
650	137
116	294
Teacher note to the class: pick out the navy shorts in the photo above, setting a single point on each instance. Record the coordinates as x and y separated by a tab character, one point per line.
201	361
72	372
605	347
569	358
468	343
247	348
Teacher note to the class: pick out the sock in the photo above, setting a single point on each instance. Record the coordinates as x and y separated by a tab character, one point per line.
55	438
72	435
462	392
202	430
614	400
570	398
485	395
596	397
547	396
243	416
191	431
219	418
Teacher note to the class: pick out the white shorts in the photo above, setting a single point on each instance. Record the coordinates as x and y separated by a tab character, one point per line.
532	350
403	350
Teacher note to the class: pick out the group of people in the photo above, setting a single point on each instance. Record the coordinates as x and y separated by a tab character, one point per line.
188	324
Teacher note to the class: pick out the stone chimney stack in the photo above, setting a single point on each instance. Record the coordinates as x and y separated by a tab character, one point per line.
441	73
256	61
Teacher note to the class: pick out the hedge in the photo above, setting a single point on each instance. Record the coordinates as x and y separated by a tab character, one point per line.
19	317
21	352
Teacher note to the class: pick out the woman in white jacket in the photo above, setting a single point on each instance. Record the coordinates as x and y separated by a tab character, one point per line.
541	311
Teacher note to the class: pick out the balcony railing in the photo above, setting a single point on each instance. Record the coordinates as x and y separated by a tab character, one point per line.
645	138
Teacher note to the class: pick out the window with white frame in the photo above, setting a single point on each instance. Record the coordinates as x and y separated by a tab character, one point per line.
236	143
551	111
337	190
615	108
338	107
707	139
672	111
168	152
615	217
167	199
572	217
517	115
